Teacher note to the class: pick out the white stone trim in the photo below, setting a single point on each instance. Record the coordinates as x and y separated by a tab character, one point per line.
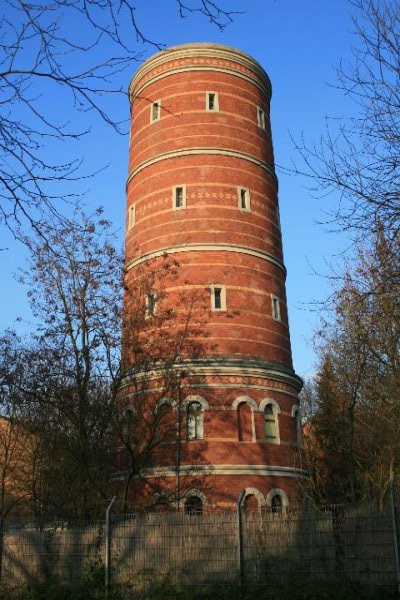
250	491
275	492
204	50
233	367
299	433
247	399
131	216
275	308
174	188
295	409
208	247
226	469
261	118
253	405
216	102
153	304
247	208
222	288
158	117
276	410
196	492
172	71
267	401
196	398
201	151
162	402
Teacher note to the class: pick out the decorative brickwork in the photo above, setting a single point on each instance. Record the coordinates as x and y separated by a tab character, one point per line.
203	186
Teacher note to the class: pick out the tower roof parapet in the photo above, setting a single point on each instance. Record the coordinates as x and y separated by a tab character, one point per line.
203	55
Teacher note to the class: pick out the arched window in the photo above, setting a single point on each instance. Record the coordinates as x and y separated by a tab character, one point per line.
296	415
250	504
161	505
245	422
193	505
166	426
271	423
276	503
194	420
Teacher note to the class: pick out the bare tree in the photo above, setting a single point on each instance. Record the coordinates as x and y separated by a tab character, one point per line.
360	415
74	284
359	156
74	52
156	341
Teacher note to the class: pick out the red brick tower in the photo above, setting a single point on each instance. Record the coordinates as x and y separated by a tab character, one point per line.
202	189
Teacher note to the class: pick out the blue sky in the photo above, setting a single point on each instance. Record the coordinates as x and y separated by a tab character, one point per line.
299	43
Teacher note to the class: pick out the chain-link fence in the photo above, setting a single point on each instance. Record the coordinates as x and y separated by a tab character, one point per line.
257	548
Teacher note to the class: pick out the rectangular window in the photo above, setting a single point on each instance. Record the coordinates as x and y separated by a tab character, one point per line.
131	216
151	304
276	309
218	297
244	199
155	111
212	104
179	197
260	117
270	424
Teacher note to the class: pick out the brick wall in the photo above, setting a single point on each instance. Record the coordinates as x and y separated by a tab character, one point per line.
224	236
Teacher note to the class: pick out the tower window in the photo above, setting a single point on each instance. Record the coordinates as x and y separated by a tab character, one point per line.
218	297
276	309
260	118
131	216
193	505
271	424
244	199
276	504
212	104
155	111
179	197
195	421
151	304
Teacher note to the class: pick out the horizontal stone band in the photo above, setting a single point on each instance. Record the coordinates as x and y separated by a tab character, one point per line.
202	152
203	52
262	470
235	368
206	248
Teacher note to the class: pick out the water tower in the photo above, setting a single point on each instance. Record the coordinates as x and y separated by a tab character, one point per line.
202	190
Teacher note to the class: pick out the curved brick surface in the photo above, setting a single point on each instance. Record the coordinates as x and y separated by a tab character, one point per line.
212	152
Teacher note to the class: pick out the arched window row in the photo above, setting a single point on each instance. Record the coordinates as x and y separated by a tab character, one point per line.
166	419
193	502
192	411
246	406
276	500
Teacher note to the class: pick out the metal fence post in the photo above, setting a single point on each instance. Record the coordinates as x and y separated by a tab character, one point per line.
1	546
395	531
107	561
240	542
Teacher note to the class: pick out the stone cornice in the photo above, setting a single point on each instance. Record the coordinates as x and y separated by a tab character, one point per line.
223	469
202	151
237	368
207	247
198	51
